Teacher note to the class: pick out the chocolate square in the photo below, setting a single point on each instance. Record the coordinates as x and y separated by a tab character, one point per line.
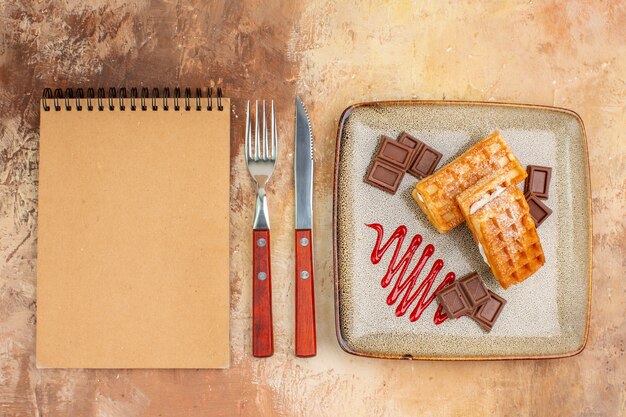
453	301
395	153
474	290
538	181
538	210
425	162
487	314
384	176
411	141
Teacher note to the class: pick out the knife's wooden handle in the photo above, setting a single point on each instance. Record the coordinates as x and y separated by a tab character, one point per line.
306	340
262	326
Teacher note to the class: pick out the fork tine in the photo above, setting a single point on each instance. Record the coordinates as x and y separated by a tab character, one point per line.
257	145
247	138
274	134
266	153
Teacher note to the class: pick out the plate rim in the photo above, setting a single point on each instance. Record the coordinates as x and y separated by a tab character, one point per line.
342	120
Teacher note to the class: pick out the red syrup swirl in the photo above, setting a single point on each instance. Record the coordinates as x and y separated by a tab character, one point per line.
399	268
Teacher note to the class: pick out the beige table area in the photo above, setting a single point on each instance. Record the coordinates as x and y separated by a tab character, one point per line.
332	53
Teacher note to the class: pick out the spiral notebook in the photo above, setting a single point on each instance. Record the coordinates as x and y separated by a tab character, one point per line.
133	235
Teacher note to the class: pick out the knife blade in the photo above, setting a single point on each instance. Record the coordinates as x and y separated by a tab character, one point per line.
306	341
303	168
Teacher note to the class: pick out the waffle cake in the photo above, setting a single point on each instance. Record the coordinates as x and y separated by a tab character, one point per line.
436	194
499	218
487	189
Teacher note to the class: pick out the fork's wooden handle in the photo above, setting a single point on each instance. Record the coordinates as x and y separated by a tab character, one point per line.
306	340
262	331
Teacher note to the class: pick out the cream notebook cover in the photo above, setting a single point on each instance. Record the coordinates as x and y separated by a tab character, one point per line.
133	236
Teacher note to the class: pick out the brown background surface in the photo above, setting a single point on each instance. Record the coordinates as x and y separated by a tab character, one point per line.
570	54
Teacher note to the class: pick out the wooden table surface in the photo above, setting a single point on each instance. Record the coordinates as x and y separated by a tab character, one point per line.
332	53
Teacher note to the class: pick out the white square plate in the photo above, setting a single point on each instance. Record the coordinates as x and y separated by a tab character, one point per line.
546	316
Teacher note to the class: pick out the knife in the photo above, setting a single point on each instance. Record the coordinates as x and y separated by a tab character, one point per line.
306	343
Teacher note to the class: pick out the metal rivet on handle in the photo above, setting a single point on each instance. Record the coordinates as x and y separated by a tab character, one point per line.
262	276
304	241
304	274
261	242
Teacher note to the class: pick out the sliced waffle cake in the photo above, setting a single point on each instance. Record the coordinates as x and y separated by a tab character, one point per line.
436	194
499	218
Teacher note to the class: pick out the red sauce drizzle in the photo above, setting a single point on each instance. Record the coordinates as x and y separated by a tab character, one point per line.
398	268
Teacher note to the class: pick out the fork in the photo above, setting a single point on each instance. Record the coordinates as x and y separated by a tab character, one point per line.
261	163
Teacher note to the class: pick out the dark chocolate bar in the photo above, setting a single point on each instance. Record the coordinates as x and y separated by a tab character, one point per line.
425	162
538	181
487	314
395	153
453	302
384	176
538	210
411	141
475	291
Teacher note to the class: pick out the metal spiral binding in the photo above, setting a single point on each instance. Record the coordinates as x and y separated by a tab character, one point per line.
166	95
155	95
187	96
112	95
133	96
144	95
116	99
100	98
121	104
176	97
198	101
69	94
58	95
79	97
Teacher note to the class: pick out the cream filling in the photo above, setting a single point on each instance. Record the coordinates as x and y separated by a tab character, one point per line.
484	200
482	253
419	196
